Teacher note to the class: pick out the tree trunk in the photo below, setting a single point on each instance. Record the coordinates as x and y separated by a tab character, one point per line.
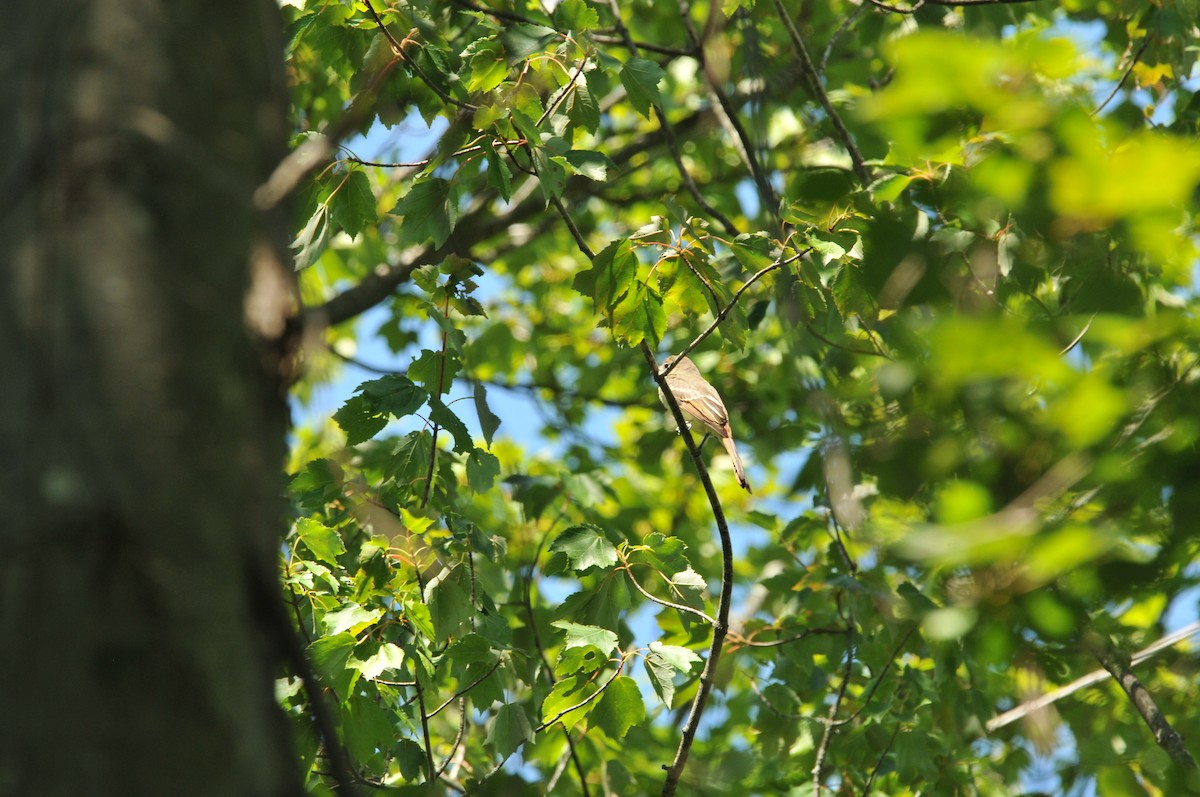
142	425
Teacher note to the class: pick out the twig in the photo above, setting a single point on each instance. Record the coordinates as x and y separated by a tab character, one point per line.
468	688
679	607
882	757
1124	77
725	310
831	717
879	679
1120	667
837	34
814	82
398	51
585	701
1075	341
458	740
1094	677
541	651
914	8
738	639
669	135
721	626
725	112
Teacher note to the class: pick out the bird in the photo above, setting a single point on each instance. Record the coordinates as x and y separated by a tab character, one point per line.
700	401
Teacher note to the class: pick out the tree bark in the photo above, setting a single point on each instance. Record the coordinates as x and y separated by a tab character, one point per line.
142	419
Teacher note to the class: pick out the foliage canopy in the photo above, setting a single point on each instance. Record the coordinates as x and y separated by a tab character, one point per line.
950	245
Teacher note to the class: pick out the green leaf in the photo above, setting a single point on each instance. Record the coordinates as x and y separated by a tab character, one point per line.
581	106
619	708
322	541
592	165
369	728
575	15
586	547
499	175
428	211
435	371
638	316
662	677
552	177
578	635
601	606
388	656
482	470
353	203
329	656
509	729
753	251
488	420
440	414
612	272
640	79
522	40
689	579
365	414
569	692
449	604
393	394
488	65
351	618
589	659
359	419
682	659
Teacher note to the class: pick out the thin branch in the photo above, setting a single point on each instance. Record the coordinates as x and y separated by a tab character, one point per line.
725	310
575	233
1120	667
399	52
882	757
458	740
914	8
737	639
831	717
814	82
679	607
541	651
725	112
468	687
669	135
548	723
1094	677
1124	77
721	626
879	679
265	591
837	34
1075	341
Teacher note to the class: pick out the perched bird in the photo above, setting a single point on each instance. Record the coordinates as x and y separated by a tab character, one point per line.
700	402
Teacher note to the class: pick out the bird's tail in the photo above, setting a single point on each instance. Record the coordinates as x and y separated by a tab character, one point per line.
738	468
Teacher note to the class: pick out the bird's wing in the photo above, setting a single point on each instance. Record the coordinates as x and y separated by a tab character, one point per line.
704	405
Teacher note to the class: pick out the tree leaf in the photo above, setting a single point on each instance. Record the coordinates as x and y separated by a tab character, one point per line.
482	470
509	729
449	604
440	414
640	79
353	203
579	635
586	547
488	421
428	211
323	541
619	708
